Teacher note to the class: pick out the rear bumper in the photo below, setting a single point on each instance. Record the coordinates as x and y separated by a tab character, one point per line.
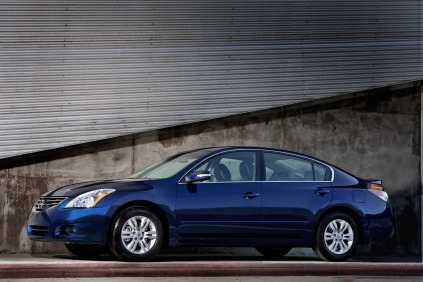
381	227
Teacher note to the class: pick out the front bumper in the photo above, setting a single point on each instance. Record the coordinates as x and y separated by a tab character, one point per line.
84	225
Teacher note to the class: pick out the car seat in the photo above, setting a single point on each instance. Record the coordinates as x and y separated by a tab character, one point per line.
222	173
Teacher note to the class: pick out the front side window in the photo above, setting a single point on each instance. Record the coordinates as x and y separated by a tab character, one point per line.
235	166
281	167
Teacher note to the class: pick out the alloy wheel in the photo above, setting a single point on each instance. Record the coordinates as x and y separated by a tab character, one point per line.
338	236
139	234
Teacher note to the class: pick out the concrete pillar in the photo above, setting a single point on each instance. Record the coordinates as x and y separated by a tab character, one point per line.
421	172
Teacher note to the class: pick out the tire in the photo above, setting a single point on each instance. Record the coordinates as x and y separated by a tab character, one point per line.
137	235
336	237
86	251
273	252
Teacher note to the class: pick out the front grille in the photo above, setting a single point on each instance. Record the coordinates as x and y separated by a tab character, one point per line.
45	203
38	230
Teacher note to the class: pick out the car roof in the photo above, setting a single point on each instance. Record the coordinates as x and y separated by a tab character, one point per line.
226	148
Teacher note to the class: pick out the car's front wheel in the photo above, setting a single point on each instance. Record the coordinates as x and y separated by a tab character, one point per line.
137	235
337	237
86	251
273	252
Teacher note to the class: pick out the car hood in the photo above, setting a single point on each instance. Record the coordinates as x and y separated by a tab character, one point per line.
79	188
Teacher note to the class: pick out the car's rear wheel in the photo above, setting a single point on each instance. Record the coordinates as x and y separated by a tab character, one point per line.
337	237
137	235
86	251
273	252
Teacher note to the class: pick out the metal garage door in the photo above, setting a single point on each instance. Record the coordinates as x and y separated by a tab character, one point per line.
78	71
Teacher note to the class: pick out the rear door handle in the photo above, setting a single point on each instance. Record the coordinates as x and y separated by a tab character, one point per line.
321	192
250	195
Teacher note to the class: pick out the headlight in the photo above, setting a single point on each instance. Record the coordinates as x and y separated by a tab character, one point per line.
89	199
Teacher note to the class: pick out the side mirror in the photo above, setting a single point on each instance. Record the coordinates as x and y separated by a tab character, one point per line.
198	176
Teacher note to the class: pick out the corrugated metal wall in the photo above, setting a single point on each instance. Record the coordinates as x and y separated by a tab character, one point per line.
77	71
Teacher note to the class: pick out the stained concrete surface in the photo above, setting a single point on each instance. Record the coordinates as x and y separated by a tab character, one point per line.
373	135
225	279
66	266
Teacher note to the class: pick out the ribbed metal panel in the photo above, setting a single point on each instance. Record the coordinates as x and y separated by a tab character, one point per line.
78	71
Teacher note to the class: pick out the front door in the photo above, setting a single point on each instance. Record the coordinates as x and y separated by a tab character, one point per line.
226	208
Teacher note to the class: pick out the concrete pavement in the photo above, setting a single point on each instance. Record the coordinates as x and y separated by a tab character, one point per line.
68	266
225	279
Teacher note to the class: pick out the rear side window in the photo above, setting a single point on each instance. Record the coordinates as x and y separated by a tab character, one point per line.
320	172
281	167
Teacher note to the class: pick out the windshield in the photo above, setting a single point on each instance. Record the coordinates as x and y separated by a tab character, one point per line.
170	166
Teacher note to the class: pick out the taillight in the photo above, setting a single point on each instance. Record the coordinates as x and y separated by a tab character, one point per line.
376	188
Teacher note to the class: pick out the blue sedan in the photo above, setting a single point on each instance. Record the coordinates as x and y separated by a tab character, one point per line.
269	199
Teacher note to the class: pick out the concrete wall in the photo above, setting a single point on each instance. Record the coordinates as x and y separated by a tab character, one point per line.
373	135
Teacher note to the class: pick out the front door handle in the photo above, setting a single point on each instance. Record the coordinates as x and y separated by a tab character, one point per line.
321	192
250	195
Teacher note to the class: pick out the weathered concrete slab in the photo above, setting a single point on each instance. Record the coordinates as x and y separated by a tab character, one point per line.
25	266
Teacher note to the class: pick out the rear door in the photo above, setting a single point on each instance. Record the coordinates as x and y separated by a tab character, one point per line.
294	190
